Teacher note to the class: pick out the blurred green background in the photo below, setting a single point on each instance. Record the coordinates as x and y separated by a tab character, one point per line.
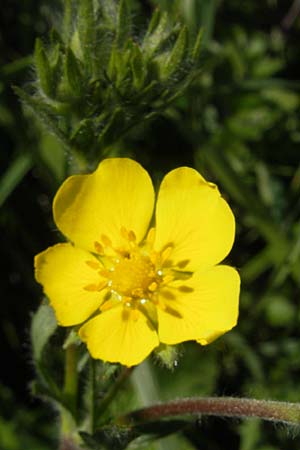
239	124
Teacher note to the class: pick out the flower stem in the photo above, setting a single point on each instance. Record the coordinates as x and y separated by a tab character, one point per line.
68	414
275	411
71	378
111	393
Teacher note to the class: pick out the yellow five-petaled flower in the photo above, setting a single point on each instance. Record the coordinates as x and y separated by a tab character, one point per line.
133	286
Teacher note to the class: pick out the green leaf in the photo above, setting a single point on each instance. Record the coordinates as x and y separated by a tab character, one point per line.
44	113
86	31
13	175
43	326
197	47
119	437
113	130
43	68
177	55
123	24
84	135
73	73
137	67
153	39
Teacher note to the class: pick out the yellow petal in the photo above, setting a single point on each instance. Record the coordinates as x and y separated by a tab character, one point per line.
119	336
94	208
194	219
64	273
207	311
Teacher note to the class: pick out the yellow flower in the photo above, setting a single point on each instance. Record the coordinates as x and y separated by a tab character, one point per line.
134	287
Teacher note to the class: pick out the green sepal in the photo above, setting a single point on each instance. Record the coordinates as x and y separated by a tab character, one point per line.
73	73
176	57
167	355
43	69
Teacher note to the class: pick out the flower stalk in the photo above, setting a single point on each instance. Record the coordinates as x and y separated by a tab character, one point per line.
274	411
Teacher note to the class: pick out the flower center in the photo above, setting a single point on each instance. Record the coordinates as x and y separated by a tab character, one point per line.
136	275
133	275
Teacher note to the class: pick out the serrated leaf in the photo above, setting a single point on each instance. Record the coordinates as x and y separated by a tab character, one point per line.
177	55
43	68
73	73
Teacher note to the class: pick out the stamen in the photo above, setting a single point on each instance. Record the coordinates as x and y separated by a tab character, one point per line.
91	287
107	305
167	294
183	264
186	289
99	248
93	264
131	236
124	233
150	236
166	253
135	314
106	241
167	279
95	287
153	286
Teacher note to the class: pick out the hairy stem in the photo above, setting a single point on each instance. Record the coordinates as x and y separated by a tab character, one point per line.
274	411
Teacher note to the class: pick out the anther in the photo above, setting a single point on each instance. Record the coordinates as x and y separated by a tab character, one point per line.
150	236
185	289
95	287
168	295
93	264
106	241
166	253
153	286
99	248
131	236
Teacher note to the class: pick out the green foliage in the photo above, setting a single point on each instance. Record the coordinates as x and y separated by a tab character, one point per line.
96	80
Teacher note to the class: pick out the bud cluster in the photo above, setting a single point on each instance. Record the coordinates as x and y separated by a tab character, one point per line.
96	78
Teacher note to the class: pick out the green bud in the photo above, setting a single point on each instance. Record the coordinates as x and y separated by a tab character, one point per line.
167	355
